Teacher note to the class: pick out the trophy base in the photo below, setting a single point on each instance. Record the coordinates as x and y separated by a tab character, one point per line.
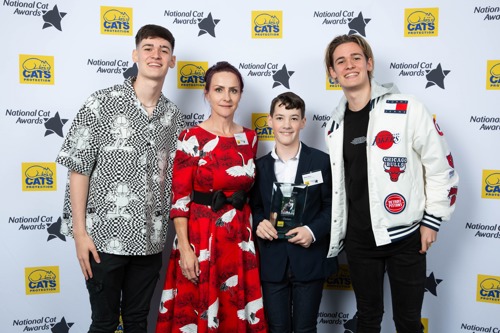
283	236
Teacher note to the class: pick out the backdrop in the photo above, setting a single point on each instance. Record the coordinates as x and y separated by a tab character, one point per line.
56	53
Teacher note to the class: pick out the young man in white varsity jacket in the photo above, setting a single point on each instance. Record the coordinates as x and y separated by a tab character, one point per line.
393	182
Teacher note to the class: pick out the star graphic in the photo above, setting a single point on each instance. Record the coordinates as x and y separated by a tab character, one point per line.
54	125
132	71
52	18
207	25
61	327
358	25
282	77
431	284
351	325
54	230
436	77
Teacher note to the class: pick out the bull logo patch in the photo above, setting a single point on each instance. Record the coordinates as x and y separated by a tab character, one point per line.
394	166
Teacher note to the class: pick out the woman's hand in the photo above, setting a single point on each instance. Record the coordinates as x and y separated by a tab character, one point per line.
189	264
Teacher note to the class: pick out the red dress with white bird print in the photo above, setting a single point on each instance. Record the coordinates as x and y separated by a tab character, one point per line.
228	296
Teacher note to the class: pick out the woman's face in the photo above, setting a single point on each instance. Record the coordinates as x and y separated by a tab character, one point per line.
224	94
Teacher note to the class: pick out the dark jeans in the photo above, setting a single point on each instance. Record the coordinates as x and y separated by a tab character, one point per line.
122	283
407	274
292	306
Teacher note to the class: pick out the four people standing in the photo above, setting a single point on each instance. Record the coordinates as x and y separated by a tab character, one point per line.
391	184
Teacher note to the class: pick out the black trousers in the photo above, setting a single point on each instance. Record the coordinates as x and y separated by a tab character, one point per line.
292	306
122	284
406	270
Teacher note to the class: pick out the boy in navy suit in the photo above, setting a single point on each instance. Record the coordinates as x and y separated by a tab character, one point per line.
294	269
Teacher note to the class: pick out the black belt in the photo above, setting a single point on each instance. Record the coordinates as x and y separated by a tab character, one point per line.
218	199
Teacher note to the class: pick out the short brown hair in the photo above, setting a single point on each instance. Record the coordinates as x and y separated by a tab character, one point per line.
154	31
291	101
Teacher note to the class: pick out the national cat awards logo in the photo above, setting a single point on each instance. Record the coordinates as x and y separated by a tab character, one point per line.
53	123
51	17
259	124
355	22
280	74
116	21
267	24
36	69
191	74
206	24
50	226
493	75
488	13
43	323
434	74
42	280
421	22
39	176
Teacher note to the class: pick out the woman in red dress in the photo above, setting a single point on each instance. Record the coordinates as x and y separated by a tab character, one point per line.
212	282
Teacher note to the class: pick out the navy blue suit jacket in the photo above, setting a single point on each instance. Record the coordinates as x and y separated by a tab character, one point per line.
307	264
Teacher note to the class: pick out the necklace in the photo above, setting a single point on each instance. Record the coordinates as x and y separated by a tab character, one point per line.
148	106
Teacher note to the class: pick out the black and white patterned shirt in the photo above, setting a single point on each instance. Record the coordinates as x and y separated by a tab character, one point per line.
128	156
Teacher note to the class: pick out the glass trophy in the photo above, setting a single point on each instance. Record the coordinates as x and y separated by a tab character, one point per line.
287	206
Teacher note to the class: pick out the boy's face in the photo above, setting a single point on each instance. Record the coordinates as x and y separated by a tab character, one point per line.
153	57
286	125
350	67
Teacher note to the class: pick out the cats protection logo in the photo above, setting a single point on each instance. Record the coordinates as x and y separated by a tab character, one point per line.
267	24
42	280
36	69
488	289
340	280
191	74
39	176
331	84
491	184
493	75
116	21
259	123
421	22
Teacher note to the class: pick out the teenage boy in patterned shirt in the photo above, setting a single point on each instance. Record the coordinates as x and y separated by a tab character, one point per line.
119	153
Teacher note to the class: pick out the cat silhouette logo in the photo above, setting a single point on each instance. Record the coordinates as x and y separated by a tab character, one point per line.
36	69
39	176
116	21
267	24
421	22
191	75
42	280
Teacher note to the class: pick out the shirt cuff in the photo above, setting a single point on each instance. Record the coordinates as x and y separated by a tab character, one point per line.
312	234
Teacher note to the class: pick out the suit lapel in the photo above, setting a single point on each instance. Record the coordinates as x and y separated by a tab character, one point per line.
304	163
268	174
